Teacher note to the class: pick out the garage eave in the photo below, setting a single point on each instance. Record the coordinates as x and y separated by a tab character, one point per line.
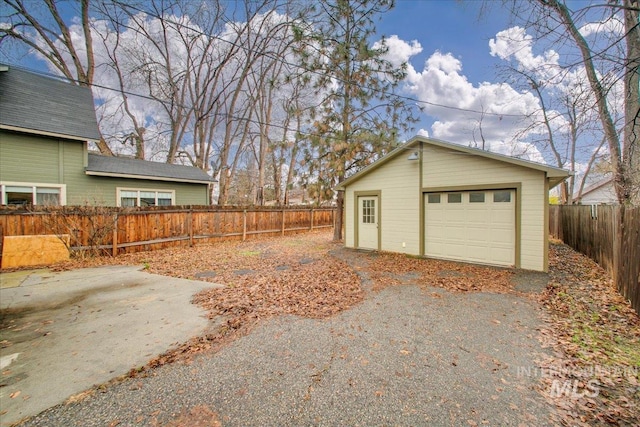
555	180
555	175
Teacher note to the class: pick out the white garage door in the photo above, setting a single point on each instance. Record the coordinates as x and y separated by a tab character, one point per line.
476	226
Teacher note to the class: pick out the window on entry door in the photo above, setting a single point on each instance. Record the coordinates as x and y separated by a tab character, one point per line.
368	211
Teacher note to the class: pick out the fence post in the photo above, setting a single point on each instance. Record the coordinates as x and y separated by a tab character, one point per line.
283	211
244	225
618	239
114	238
190	222
311	221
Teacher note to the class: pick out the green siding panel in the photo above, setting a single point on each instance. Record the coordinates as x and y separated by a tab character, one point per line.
37	159
101	190
27	158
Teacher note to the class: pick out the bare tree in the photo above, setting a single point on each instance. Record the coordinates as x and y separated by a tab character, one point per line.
623	154
42	28
563	126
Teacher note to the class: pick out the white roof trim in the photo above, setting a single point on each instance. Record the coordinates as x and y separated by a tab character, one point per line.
45	133
147	177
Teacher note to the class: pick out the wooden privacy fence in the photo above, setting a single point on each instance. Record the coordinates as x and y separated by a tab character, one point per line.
592	230
120	230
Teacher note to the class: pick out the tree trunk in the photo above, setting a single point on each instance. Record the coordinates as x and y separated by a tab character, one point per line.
631	153
619	174
337	231
103	147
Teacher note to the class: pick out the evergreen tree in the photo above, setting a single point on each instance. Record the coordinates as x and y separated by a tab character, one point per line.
359	117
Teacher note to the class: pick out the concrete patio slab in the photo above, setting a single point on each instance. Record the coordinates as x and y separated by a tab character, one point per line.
63	332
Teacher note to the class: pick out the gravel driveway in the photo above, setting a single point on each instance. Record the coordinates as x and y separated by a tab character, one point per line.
407	355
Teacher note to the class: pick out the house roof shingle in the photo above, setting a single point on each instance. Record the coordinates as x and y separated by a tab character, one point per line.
123	167
45	105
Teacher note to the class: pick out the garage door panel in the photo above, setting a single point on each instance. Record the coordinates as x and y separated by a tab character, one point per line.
501	253
455	216
478	218
503	241
455	249
479	231
476	251
501	218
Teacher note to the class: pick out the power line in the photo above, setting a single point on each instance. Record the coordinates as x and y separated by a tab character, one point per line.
125	92
250	119
310	70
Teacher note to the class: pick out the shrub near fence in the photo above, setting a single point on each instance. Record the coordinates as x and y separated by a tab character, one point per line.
120	230
592	231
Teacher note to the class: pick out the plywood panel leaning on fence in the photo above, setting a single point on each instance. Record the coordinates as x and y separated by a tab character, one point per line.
120	230
29	251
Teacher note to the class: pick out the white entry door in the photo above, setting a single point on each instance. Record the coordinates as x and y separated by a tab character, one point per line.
475	226
368	222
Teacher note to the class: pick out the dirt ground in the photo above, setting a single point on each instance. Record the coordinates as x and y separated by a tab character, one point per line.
591	332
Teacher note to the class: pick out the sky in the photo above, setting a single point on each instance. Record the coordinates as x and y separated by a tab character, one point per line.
447	47
448	26
454	52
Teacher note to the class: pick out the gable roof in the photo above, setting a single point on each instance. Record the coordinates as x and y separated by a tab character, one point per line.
596	186
122	167
555	175
45	105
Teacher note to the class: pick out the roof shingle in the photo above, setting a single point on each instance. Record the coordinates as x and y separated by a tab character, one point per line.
39	104
142	169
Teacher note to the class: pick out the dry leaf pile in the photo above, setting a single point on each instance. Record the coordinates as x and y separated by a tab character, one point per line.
596	335
388	269
263	278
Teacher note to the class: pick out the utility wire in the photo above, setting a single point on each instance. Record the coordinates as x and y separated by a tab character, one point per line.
268	55
236	118
310	70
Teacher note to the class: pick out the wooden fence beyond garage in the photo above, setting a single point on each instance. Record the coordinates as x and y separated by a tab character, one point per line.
121	230
592	231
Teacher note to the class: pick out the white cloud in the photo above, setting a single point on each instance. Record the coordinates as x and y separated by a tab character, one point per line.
423	132
515	43
399	51
492	115
493	112
612	26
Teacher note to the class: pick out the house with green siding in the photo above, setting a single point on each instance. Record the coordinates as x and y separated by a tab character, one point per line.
45	127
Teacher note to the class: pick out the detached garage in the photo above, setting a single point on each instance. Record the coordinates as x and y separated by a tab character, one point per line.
442	200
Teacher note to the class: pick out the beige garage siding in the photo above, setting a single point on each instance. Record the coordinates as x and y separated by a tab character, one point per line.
445	169
398	183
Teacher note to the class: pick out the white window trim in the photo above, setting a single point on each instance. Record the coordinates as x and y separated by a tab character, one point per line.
33	185
119	190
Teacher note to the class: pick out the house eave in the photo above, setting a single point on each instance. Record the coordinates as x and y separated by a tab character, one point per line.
45	133
147	177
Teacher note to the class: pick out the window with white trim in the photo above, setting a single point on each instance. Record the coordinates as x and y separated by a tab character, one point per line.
130	197
454	198
25	193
